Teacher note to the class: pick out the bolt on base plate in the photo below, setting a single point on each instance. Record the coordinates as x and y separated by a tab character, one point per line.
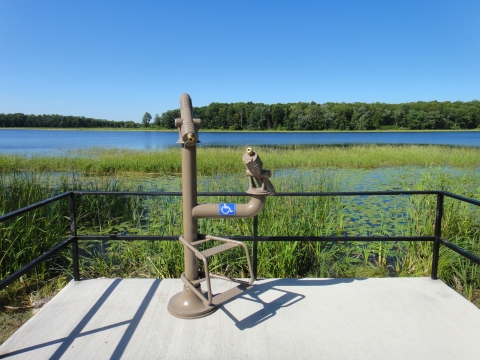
187	305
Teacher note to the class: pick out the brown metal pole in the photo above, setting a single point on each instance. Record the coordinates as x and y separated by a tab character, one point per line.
189	185
187	304
189	197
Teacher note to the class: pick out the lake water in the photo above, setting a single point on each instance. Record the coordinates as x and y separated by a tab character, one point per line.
15	141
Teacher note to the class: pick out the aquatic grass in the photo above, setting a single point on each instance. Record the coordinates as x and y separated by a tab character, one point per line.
26	237
227	160
460	225
141	259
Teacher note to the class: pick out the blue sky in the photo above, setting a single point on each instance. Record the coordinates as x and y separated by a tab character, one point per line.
117	59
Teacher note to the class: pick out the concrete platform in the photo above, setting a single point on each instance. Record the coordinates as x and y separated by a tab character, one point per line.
393	318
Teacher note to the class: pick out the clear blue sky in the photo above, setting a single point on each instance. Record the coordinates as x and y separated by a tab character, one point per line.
117	59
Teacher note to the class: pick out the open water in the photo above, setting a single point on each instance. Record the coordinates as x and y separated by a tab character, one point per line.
56	142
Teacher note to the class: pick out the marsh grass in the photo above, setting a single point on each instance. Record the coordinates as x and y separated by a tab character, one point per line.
30	235
101	161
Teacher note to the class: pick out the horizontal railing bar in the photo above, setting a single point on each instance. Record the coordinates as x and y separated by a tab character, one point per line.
316	193
334	238
345	238
119	193
461	198
17	274
460	251
264	238
32	207
126	237
306	194
359	193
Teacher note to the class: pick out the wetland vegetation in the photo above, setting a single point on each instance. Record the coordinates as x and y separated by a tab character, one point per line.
25	180
100	161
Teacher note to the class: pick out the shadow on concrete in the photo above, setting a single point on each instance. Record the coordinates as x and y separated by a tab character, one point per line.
66	342
269	309
127	336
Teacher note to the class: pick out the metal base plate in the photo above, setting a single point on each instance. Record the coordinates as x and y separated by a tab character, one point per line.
187	305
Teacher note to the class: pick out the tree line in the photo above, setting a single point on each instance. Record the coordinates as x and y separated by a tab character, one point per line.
431	115
333	116
60	121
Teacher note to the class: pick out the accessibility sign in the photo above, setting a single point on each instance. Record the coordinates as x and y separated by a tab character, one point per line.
227	209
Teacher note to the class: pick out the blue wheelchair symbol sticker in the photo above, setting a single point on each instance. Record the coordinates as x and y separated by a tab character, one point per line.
227	209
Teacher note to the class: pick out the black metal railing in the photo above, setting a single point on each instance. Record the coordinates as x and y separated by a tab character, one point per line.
74	237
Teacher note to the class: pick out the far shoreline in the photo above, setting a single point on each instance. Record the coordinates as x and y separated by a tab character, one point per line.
245	131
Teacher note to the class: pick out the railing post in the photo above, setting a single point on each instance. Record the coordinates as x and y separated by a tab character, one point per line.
255	245
438	235
73	232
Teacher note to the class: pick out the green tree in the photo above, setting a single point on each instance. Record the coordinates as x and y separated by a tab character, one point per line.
167	120
157	120
146	119
278	115
362	118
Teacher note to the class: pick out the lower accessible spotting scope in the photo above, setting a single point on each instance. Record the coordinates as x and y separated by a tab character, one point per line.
255	170
258	190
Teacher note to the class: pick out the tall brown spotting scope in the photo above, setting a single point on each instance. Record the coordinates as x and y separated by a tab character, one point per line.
193	302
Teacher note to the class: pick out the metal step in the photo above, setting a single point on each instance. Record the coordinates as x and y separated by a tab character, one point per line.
205	275
218	249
